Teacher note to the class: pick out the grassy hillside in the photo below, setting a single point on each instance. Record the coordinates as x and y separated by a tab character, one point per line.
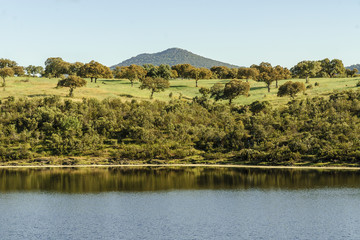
39	87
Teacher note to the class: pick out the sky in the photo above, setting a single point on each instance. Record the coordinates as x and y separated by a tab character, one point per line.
282	32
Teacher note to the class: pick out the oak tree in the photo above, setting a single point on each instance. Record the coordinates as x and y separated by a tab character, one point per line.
154	85
306	69
6	72
95	70
72	82
291	89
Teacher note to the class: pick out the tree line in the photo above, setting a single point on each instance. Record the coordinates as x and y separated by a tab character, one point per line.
156	78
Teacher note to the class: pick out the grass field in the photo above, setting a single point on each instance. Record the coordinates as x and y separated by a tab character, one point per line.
39	87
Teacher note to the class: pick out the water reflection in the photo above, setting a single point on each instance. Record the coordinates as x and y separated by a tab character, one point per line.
92	180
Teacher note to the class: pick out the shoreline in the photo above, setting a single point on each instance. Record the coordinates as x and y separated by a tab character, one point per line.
184	165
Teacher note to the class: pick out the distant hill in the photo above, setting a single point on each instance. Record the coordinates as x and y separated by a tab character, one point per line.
357	66
173	56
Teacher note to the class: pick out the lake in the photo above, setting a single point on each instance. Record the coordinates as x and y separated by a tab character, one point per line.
179	203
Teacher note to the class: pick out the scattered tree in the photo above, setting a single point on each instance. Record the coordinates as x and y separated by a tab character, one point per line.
18	71
183	70
74	68
55	67
351	73
34	70
132	73
291	89
235	88
6	72
155	85
331	68
248	73
7	63
306	69
72	82
95	70
222	72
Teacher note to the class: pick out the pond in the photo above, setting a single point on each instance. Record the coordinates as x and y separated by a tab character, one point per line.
179	203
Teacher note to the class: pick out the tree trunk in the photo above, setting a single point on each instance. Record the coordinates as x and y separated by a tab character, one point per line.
91	79
71	93
95	80
196	82
3	85
132	83
152	93
247	80
277	84
230	101
307	79
268	88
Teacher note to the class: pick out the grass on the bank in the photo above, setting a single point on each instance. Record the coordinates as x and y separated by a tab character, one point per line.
180	88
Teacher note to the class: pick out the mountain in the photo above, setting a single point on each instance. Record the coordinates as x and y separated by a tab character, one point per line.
173	56
357	66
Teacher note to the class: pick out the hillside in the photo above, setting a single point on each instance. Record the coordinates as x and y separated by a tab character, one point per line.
173	56
357	66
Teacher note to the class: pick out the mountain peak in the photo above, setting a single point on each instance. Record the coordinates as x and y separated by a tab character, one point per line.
173	56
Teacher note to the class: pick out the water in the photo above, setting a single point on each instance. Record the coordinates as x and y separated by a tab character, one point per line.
179	203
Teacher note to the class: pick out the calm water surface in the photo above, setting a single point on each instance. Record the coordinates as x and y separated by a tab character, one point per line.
179	203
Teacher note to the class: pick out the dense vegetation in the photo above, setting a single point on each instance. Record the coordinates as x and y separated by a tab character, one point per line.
303	131
199	129
173	56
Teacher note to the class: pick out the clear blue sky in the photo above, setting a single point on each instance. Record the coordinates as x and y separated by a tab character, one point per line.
239	32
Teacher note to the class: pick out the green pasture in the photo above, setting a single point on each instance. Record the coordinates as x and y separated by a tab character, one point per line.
185	89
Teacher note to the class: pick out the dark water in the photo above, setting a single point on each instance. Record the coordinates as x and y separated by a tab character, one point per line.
179	203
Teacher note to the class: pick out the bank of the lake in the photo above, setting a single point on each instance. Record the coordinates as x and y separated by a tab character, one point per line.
308	132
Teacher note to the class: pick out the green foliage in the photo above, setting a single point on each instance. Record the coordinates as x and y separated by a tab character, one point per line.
72	82
155	85
306	69
302	131
95	70
291	89
55	67
6	72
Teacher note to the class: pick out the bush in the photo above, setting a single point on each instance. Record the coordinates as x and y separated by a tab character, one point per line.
317	84
310	86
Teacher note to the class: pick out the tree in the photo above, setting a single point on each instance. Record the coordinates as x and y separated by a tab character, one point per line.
155	85
95	70
222	72
306	69
72	82
183	70
200	73
291	89
248	73
217	91
18	71
74	68
235	88
33	70
55	67
7	63
164	71
269	74
331	68
132	73
281	73
6	72
351	73
266	73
